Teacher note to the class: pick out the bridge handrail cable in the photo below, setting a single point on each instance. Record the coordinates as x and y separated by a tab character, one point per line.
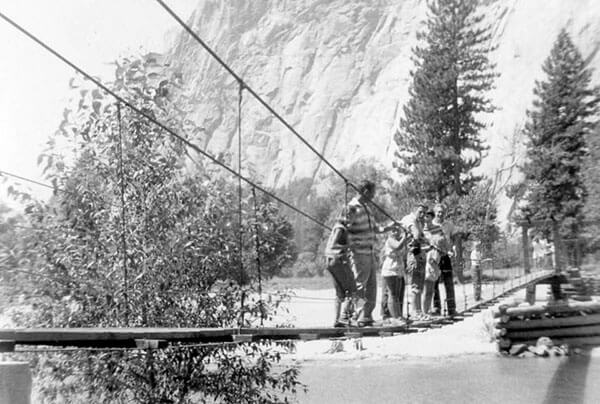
168	130
265	104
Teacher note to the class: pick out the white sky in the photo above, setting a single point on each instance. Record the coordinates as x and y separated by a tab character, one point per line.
34	84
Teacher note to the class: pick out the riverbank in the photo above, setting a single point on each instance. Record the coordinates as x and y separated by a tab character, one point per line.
454	364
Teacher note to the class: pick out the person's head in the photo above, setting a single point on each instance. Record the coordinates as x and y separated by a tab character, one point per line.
421	210
429	215
396	232
366	190
440	212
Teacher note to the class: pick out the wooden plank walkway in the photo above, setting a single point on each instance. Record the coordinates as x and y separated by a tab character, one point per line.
131	337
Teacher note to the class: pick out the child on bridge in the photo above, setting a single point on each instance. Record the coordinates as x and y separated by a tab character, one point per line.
392	272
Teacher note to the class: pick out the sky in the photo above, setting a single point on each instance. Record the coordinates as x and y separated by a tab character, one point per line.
34	84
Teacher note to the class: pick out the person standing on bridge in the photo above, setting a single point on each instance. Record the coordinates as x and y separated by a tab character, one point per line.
338	265
450	233
476	270
361	231
415	260
392	274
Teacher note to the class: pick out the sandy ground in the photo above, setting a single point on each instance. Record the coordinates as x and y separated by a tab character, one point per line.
470	336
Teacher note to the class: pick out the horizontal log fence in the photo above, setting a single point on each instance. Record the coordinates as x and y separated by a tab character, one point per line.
576	323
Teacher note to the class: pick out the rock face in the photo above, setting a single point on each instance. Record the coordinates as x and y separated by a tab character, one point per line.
338	72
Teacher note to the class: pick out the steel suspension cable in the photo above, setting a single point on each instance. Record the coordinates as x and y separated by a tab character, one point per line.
55	189
265	104
161	125
41	184
345	212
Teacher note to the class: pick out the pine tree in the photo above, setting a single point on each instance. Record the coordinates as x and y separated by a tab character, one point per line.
591	170
592	174
561	117
438	139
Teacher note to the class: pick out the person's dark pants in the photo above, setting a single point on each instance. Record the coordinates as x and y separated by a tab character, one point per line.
448	280
414	278
397	284
345	287
476	276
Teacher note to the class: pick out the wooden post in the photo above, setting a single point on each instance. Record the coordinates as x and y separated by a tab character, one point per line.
458	266
557	247
578	253
530	290
556	289
525	242
15	383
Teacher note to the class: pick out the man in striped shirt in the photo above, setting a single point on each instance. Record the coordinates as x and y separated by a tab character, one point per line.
361	231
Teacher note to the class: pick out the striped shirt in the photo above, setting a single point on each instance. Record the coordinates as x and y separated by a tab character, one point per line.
434	233
433	230
361	228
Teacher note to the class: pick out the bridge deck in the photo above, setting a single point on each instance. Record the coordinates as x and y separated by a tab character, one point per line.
130	337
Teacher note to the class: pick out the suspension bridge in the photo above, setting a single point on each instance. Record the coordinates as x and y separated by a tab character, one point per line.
64	339
131	337
162	337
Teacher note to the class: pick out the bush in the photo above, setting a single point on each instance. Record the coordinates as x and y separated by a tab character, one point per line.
135	239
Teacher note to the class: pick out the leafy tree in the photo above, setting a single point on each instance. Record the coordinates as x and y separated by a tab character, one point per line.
477	214
134	238
591	172
561	117
438	139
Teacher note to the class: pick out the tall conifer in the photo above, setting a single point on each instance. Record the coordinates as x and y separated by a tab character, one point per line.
561	117
438	140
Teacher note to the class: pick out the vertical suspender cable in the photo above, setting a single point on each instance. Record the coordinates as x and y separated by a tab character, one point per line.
123	219
258	267
159	124
260	100
240	229
346	186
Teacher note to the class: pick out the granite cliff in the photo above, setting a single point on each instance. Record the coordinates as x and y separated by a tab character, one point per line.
338	71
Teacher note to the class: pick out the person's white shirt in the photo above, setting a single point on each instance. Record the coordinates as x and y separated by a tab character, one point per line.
475	257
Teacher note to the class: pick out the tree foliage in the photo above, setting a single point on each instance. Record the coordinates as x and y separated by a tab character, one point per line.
134	238
438	139
476	213
591	170
560	119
